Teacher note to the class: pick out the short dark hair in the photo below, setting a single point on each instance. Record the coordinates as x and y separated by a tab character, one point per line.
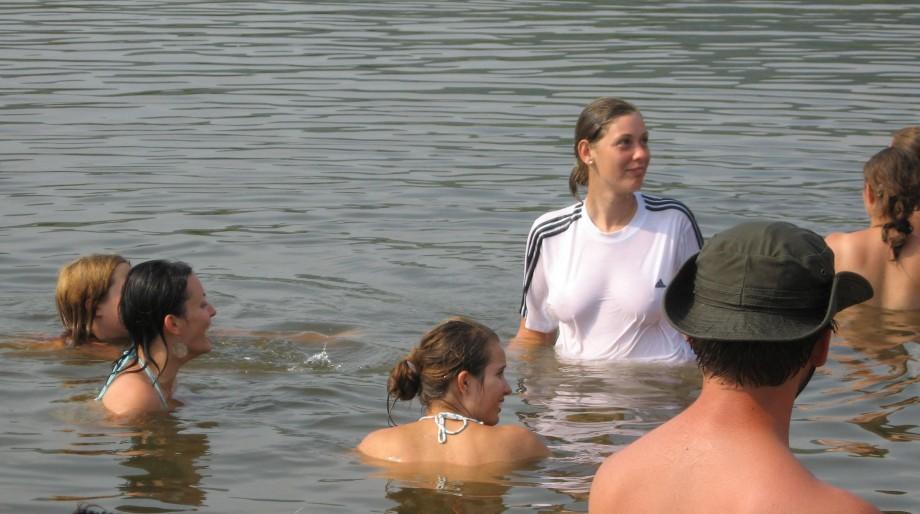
754	363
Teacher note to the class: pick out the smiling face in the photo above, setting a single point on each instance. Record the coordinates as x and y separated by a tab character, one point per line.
486	393
194	323
107	326
617	162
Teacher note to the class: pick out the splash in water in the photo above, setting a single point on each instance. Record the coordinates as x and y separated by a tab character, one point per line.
320	361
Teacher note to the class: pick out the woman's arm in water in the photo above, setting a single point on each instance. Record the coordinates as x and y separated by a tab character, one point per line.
528	338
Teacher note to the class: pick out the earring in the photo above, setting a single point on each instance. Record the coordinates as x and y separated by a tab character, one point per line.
178	349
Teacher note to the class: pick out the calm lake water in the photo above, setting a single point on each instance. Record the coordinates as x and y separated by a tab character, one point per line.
368	169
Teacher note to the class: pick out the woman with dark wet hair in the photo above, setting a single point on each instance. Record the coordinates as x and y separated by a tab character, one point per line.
167	314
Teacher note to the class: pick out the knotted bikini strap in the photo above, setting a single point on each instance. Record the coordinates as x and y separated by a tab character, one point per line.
440	420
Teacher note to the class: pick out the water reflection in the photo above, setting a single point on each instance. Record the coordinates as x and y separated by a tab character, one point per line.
446	496
164	462
877	352
443	488
588	410
352	163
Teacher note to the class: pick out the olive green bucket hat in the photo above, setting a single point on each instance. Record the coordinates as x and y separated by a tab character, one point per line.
761	281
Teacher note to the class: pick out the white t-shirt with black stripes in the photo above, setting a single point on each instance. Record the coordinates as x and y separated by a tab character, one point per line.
604	292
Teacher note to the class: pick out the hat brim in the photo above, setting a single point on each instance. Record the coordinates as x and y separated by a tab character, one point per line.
700	320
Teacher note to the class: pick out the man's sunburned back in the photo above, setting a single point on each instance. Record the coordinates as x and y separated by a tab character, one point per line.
896	282
695	464
748	306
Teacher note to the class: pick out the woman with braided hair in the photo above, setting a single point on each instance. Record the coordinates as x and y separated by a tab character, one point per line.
458	374
888	252
907	139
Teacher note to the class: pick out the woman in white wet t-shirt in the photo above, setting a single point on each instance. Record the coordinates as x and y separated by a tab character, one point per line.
596	271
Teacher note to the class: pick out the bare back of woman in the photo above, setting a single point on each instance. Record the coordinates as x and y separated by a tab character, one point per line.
888	252
458	374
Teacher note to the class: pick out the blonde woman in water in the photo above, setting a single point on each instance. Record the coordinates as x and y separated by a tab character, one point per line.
87	296
458	374
887	253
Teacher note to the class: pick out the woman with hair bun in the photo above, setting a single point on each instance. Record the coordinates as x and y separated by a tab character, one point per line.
888	252
458	374
167	314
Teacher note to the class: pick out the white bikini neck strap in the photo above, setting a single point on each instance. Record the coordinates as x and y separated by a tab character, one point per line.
440	419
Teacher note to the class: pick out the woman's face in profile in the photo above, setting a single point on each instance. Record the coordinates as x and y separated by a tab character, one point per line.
489	392
197	317
107	326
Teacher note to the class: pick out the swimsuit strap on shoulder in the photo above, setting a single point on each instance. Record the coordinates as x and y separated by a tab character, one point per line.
122	363
155	381
440	419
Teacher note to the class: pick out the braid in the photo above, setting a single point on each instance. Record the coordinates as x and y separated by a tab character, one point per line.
894	177
901	228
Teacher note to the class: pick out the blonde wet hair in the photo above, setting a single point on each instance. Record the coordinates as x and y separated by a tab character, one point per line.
81	286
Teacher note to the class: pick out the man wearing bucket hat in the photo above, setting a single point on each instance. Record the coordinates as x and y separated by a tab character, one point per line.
757	306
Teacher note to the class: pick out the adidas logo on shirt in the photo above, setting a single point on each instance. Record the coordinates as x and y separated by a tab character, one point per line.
659	284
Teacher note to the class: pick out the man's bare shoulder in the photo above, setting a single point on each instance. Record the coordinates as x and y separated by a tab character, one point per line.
614	490
624	474
808	496
669	470
831	500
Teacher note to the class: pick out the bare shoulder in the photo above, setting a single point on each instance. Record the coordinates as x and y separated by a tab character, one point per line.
797	491
131	394
833	500
840	242
520	443
851	249
836	236
371	441
607	482
383	444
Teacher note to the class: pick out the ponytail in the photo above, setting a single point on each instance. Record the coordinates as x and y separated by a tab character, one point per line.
578	177
895	234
